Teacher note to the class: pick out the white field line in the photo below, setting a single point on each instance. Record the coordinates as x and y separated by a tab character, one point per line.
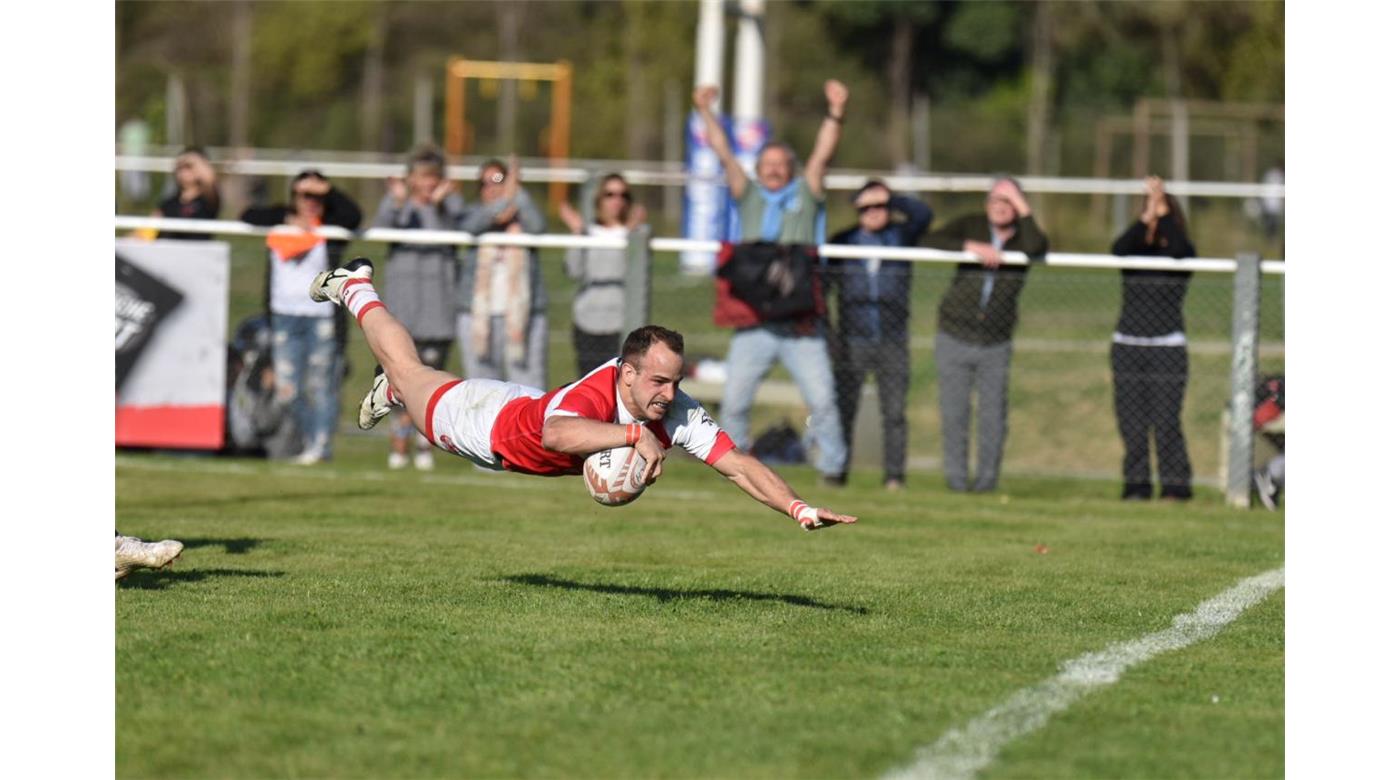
272	469
963	752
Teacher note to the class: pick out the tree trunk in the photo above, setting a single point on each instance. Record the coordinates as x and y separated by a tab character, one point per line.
372	87
235	188
508	36
901	57
1039	107
638	128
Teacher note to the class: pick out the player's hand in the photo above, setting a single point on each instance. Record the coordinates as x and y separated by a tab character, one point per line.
985	252
649	447
815	518
704	97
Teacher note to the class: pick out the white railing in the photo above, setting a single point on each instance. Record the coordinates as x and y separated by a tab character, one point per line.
673	174
564	241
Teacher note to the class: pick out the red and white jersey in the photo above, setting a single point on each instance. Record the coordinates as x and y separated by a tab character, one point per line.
517	434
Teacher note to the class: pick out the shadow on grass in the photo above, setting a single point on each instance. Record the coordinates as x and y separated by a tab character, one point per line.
231	546
669	594
160	579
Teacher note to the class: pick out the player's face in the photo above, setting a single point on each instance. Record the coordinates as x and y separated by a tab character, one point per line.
774	168
655	381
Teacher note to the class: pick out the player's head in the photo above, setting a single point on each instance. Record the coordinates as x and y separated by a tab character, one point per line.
776	164
426	169
652	361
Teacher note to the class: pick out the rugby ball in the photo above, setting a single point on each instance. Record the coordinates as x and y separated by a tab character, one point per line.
614	477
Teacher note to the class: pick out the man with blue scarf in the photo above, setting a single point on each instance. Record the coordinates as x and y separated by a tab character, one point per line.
873	331
782	207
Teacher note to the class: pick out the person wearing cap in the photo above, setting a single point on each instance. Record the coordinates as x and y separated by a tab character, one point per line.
872	332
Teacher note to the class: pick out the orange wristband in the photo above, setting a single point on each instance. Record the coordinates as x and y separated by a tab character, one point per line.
634	434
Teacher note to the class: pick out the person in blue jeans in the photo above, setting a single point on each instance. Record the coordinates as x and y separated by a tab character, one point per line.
872	334
308	339
780	205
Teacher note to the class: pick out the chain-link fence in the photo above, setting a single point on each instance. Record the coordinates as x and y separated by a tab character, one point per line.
1075	402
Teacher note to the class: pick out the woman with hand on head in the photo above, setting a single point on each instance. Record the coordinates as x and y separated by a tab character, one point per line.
308	339
1149	350
600	273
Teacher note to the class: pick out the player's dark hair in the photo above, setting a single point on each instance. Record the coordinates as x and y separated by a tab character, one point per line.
641	339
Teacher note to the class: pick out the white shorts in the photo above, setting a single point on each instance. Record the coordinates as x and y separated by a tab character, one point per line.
461	413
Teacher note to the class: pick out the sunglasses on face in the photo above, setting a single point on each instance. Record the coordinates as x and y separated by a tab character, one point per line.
872	207
624	194
311	196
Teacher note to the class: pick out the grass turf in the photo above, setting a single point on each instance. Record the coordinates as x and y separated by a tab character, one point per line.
343	621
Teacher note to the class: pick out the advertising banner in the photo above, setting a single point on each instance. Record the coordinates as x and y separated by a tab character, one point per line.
706	208
171	354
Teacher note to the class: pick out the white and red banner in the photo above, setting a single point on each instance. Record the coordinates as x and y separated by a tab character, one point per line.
171	353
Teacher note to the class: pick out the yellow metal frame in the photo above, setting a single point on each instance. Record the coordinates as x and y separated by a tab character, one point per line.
458	131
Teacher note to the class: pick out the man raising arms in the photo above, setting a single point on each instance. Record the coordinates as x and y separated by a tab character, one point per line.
631	401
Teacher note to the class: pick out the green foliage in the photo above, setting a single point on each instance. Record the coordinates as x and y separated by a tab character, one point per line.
309	59
988	31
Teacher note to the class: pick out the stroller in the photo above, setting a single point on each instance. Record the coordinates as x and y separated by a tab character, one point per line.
255	423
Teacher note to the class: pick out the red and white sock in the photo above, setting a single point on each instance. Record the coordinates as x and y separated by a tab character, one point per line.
359	298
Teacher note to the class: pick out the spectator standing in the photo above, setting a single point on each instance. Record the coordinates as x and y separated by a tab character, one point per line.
600	273
421	279
872	335
196	193
976	318
782	207
308	339
1148	355
502	324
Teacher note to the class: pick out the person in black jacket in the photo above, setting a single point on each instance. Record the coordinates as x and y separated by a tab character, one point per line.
196	193
872	334
975	321
308	339
1149	351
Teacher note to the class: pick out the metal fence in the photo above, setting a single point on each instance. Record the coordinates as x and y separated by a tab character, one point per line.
1066	416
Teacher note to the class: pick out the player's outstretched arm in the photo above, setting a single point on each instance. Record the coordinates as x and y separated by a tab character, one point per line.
583	436
767	487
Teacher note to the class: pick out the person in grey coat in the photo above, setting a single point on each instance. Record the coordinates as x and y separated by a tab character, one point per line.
420	279
502	325
598	304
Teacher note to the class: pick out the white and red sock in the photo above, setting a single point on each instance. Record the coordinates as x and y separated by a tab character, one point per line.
359	298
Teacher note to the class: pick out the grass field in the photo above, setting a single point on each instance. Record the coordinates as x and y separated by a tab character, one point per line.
344	621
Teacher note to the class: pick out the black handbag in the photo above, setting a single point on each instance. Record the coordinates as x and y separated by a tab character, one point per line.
779	281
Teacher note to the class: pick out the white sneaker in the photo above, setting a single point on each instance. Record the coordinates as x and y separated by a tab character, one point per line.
328	284
132	553
376	404
398	460
309	458
423	460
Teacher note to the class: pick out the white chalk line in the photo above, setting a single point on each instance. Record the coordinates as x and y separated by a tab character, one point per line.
273	469
963	752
